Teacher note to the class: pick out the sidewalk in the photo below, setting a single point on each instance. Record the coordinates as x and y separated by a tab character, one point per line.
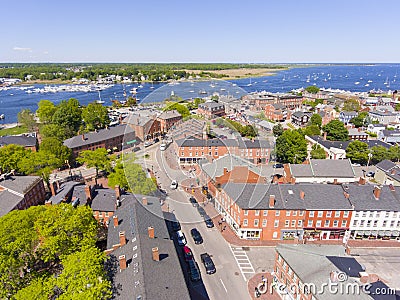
256	280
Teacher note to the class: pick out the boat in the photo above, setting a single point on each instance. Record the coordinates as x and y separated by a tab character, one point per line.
366	84
2	116
357	82
99	101
140	86
308	78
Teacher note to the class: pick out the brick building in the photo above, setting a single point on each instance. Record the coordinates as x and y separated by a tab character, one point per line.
276	112
27	141
211	109
145	127
20	192
168	119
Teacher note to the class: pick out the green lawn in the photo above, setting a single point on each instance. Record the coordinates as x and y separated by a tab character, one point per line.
13	130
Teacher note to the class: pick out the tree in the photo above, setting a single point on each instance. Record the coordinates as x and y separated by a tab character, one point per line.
52	145
68	115
336	131
277	130
394	153
379	153
180	108
351	105
10	156
316	119
312	89
291	147
397	107
56	131
317	152
312	130
46	111
131	177
95	116
360	120
95	158
27	119
357	151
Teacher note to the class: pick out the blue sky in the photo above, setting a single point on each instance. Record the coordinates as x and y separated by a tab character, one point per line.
268	31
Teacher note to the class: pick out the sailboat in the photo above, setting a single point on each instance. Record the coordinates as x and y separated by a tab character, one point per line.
99	101
250	84
308	78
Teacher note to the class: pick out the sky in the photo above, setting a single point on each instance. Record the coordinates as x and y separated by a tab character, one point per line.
252	31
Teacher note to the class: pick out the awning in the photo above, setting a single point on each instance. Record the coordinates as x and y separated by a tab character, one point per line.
381	233
388	233
395	233
367	232
360	232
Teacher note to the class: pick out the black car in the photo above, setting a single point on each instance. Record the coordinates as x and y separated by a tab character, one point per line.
156	140
198	239
208	263
208	221
176	226
194	271
278	166
201	211
193	201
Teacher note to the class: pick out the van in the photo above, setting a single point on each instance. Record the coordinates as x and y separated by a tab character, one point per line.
163	147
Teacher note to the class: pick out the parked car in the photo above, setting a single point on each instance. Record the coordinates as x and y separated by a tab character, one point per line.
208	263
181	238
176	226
278	166
370	174
194	271
193	201
201	211
174	185
156	140
208	221
197	238
187	253
163	147
148	143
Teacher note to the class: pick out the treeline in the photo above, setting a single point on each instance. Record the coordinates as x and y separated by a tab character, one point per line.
137	72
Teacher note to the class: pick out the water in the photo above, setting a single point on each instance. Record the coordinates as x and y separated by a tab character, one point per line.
355	78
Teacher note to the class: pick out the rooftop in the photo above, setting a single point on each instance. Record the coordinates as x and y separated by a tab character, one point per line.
343	145
8	201
169	114
23	140
338	168
19	184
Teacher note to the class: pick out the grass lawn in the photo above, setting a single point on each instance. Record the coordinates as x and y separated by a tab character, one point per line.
13	130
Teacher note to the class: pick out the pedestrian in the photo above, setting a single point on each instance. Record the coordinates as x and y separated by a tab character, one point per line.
224	227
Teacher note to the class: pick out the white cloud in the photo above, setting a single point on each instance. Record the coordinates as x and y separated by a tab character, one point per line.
22	49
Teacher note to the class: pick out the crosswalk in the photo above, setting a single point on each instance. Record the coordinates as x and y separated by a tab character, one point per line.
243	262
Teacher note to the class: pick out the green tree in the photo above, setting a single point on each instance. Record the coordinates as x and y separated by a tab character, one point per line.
131	101
27	119
379	153
68	115
316	119
46	110
95	116
277	130
10	156
357	151
56	131
291	147
98	159
312	89
397	107
180	108
312	130
317	152
336	131
53	146
351	105
394	153
360	120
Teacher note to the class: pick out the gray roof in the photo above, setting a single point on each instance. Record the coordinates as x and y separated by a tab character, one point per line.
100	135
362	197
63	191
337	168
349	113
386	165
211	104
287	196
241	143
390	132
355	131
251	144
299	114
143	276
26	141
8	201
382	113
138	120
343	145
314	263
169	114
19	184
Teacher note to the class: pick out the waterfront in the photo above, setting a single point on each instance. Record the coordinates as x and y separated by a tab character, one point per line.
354	78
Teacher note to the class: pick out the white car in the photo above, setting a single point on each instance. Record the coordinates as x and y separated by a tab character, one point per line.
174	185
181	238
163	147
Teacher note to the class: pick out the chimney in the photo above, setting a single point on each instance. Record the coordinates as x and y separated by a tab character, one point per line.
347	250
362	180
122	239
393	172
335	181
377	192
151	232
302	195
58	184
225	171
115	218
325	133
122	262
144	201
391	187
271	201
117	192
88	192
83	137
346	195
359	129
53	188
156	255
293	180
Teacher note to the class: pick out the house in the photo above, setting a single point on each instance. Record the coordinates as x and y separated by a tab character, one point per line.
28	141
320	171
113	138
301	118
303	272
376	211
375	128
168	119
383	117
190	128
145	127
357	134
389	136
346	116
20	192
387	172
211	109
142	259
276	112
265	125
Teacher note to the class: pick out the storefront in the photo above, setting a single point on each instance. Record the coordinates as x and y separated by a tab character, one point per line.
292	234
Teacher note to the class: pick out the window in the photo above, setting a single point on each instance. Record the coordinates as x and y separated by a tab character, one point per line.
387	215
287	223
257	212
318	224
276	223
375	223
277	213
275	235
245	222
301	213
344	223
290	272
265	213
326	223
345	214
294	213
337	214
362	223
384	224
182	153
320	214
246	212
368	223
310	223
264	223
190	153
299	223
328	214
355	223
311	213
256	222
293	223
279	258
197	153
392	223
288	213
216	153
357	214
190	148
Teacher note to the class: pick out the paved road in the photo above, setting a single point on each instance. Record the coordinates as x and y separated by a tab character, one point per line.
227	282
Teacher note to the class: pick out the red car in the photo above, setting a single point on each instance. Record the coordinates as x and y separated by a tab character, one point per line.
187	253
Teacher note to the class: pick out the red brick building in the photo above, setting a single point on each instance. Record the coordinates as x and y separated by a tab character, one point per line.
276	112
144	127
211	110
168	119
